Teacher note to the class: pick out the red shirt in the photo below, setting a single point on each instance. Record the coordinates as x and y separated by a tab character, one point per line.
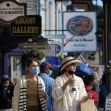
93	94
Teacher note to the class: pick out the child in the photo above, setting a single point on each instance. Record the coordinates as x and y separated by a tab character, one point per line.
89	82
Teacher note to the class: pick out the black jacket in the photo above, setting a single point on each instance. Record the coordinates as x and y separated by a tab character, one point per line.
6	93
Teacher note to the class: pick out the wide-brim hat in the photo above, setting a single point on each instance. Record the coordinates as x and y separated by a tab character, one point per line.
68	61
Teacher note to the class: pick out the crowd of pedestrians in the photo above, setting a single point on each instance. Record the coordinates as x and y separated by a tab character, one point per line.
37	90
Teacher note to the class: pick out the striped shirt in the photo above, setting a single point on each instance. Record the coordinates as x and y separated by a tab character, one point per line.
20	95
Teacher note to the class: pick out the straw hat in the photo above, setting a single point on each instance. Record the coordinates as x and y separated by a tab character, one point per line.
69	60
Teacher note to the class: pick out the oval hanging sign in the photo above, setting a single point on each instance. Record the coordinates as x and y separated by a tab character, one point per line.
10	10
80	25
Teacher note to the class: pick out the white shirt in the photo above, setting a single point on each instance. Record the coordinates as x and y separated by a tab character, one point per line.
68	100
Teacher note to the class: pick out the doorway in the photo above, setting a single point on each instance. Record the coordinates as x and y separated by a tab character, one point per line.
15	68
13	65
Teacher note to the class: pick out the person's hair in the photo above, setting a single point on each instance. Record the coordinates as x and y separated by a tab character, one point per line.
30	60
88	80
61	72
3	80
43	66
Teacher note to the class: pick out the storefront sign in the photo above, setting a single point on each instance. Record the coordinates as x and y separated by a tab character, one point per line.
50	51
11	10
29	25
54	49
80	29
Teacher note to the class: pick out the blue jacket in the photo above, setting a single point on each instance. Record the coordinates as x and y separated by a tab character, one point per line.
48	84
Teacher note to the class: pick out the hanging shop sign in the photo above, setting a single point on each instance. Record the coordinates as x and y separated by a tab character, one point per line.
29	26
11	10
80	29
58	48
54	49
33	45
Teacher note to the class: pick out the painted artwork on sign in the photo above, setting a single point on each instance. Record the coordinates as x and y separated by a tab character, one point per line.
80	25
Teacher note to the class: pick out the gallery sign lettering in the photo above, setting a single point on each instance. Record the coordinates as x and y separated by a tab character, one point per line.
29	25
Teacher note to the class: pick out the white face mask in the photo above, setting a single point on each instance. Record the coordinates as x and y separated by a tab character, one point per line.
50	72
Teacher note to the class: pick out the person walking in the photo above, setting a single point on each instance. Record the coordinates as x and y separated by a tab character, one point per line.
29	92
45	72
68	90
103	93
89	82
6	94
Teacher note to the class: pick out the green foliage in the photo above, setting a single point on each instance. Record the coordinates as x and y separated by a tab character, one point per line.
37	54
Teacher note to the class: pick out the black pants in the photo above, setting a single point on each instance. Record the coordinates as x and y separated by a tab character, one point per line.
34	108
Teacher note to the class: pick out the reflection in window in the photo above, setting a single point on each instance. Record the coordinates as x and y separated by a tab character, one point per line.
97	2
16	63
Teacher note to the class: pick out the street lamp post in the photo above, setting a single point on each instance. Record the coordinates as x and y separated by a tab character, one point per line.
107	50
107	41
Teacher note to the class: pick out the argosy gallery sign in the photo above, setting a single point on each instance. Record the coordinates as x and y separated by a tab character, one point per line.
14	14
28	25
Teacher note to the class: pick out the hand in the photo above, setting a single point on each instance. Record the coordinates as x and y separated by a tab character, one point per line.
90	95
70	80
42	94
85	98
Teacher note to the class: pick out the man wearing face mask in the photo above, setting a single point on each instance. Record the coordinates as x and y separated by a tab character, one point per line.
45	72
68	90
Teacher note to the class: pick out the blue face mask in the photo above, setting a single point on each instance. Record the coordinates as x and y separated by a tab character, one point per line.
35	71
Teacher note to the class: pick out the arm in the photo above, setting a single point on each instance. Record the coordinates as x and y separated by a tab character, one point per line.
59	88
15	98
84	96
42	92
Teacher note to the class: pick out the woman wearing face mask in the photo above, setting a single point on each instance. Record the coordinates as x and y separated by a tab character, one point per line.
68	90
29	92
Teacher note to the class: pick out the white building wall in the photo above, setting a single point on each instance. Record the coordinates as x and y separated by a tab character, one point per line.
60	9
50	12
42	13
52	17
33	6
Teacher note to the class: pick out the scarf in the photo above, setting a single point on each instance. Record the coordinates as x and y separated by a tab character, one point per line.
22	106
